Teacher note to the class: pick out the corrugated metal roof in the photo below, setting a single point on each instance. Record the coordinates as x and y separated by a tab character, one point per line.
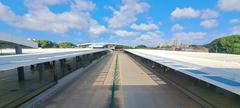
17	41
14	61
221	70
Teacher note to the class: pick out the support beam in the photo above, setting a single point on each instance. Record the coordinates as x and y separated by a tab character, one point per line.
80	62
18	49
53	70
20	71
62	64
40	71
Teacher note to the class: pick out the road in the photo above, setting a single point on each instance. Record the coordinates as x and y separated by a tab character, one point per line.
138	88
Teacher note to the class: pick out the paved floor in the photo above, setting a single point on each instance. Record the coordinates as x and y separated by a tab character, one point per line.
88	91
138	88
143	90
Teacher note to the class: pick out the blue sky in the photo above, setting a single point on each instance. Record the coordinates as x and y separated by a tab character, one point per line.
129	22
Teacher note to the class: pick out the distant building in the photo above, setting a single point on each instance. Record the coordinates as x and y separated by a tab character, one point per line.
98	45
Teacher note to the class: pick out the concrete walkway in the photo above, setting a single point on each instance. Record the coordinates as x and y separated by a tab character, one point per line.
88	91
138	88
141	89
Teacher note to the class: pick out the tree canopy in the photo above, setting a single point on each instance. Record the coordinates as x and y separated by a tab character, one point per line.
46	44
141	46
50	44
66	45
229	44
123	47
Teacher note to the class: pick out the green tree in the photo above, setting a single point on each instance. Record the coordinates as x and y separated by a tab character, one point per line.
123	47
66	45
46	44
141	46
229	44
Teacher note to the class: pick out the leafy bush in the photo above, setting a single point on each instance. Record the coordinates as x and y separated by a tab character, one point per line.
229	44
123	47
46	44
141	47
66	45
50	44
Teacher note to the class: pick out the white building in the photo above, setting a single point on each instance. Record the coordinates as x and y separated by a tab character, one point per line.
98	45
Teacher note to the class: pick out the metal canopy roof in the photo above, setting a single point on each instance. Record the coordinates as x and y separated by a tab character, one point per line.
100	43
7	41
14	61
215	69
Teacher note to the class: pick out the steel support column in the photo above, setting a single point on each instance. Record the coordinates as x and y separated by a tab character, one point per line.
40	71
62	64
18	49
20	71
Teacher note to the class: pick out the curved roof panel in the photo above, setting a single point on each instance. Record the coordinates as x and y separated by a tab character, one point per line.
221	70
13	41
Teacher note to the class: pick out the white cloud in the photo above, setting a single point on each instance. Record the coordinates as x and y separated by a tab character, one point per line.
229	5
208	14
82	5
6	14
177	27
189	37
40	18
149	39
235	21
209	23
145	27
236	30
124	33
44	20
127	13
39	4
185	13
189	12
96	29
